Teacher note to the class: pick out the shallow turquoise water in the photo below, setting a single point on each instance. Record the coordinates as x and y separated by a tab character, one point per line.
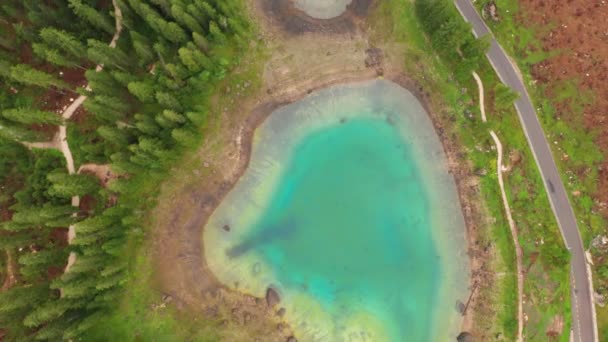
343	210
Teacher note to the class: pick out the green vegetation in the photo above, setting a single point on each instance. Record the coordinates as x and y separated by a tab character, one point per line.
573	144
144	109
454	99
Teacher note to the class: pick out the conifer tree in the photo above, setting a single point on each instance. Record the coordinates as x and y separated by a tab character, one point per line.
167	100
101	53
142	48
216	33
144	91
172	32
92	15
64	41
25	74
185	19
103	82
32	116
114	135
53	56
36	264
65	185
200	41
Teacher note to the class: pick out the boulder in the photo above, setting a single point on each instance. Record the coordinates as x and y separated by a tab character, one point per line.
272	297
490	10
465	337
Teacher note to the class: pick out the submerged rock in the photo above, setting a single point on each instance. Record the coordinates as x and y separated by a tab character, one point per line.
460	307
465	337
272	297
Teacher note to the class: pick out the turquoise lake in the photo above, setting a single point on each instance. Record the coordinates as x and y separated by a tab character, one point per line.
347	209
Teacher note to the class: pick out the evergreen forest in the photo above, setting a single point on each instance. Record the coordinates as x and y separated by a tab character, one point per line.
146	70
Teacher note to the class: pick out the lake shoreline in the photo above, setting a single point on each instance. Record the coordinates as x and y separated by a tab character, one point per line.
190	280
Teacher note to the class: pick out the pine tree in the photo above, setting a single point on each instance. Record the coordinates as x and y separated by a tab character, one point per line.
65	185
64	41
174	117
184	137
11	131
101	53
185	19
17	302
208	10
216	33
144	91
142	48
93	16
114	135
167	100
53	330
201	42
36	264
53	56
46	312
146	125
48	215
25	74
103	82
32	116
173	32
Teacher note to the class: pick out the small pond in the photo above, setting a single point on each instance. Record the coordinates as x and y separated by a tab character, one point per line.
347	209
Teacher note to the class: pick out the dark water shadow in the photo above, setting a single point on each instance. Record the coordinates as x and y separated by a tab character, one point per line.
283	230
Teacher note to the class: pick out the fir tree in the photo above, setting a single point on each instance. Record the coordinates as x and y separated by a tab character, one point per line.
64	41
32	116
25	74
93	16
65	185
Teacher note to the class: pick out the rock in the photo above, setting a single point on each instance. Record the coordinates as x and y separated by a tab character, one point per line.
465	337
374	57
599	299
246	317
167	298
460	307
490	10
226	228
272	297
576	193
211	311
281	312
481	172
515	158
291	339
599	242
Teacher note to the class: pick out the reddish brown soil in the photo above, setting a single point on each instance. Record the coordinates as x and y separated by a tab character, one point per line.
580	32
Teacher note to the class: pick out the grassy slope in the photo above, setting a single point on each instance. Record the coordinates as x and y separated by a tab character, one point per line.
545	282
571	136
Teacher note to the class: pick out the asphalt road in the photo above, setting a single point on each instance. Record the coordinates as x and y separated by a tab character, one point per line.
582	306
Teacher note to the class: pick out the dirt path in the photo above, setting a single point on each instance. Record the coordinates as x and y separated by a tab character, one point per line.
505	201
